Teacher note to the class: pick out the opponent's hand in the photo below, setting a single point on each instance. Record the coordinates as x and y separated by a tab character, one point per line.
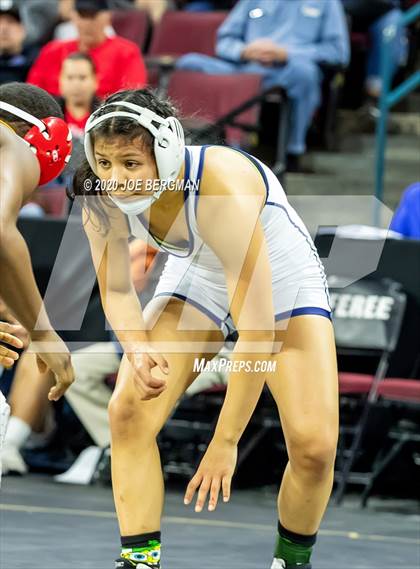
59	363
214	474
8	335
18	331
21	333
147	384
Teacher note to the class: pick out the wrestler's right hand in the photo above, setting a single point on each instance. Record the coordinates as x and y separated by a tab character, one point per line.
58	361
148	385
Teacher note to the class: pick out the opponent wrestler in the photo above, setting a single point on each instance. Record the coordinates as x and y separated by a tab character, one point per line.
35	145
7	358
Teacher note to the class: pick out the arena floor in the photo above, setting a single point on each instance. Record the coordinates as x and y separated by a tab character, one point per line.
45	525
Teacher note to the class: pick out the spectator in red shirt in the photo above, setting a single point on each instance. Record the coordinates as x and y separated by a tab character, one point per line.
118	61
78	85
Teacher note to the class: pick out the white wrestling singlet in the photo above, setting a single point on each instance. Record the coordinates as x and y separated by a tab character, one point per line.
194	274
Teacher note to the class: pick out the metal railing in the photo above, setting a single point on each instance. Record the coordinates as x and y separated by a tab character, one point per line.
389	98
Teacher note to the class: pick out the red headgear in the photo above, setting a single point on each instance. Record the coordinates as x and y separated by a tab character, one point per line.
49	139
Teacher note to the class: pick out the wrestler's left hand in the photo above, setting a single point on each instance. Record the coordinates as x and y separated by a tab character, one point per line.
214	474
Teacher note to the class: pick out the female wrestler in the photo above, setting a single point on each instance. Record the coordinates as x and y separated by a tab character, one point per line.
239	258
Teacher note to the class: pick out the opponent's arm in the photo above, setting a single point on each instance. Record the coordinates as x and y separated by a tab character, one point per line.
19	175
238	240
18	179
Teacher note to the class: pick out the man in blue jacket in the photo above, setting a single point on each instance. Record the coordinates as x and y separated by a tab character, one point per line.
286	41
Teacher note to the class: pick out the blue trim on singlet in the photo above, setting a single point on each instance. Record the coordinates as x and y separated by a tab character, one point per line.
199	174
313	310
201	161
302	311
187	165
197	305
314	251
187	217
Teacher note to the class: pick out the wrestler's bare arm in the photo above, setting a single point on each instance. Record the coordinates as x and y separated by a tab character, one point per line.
19	175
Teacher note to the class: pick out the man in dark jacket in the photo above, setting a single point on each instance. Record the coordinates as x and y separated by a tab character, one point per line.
16	57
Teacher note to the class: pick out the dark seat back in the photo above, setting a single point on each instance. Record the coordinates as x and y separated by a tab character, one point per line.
134	25
210	97
179	33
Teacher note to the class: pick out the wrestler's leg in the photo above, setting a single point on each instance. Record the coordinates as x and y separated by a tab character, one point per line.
135	424
305	387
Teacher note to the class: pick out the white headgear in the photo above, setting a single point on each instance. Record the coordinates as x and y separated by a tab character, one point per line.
168	133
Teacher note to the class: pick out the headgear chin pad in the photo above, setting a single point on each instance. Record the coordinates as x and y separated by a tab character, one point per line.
52	146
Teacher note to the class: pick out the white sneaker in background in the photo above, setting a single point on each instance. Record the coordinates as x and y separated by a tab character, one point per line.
17	432
83	469
12	461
